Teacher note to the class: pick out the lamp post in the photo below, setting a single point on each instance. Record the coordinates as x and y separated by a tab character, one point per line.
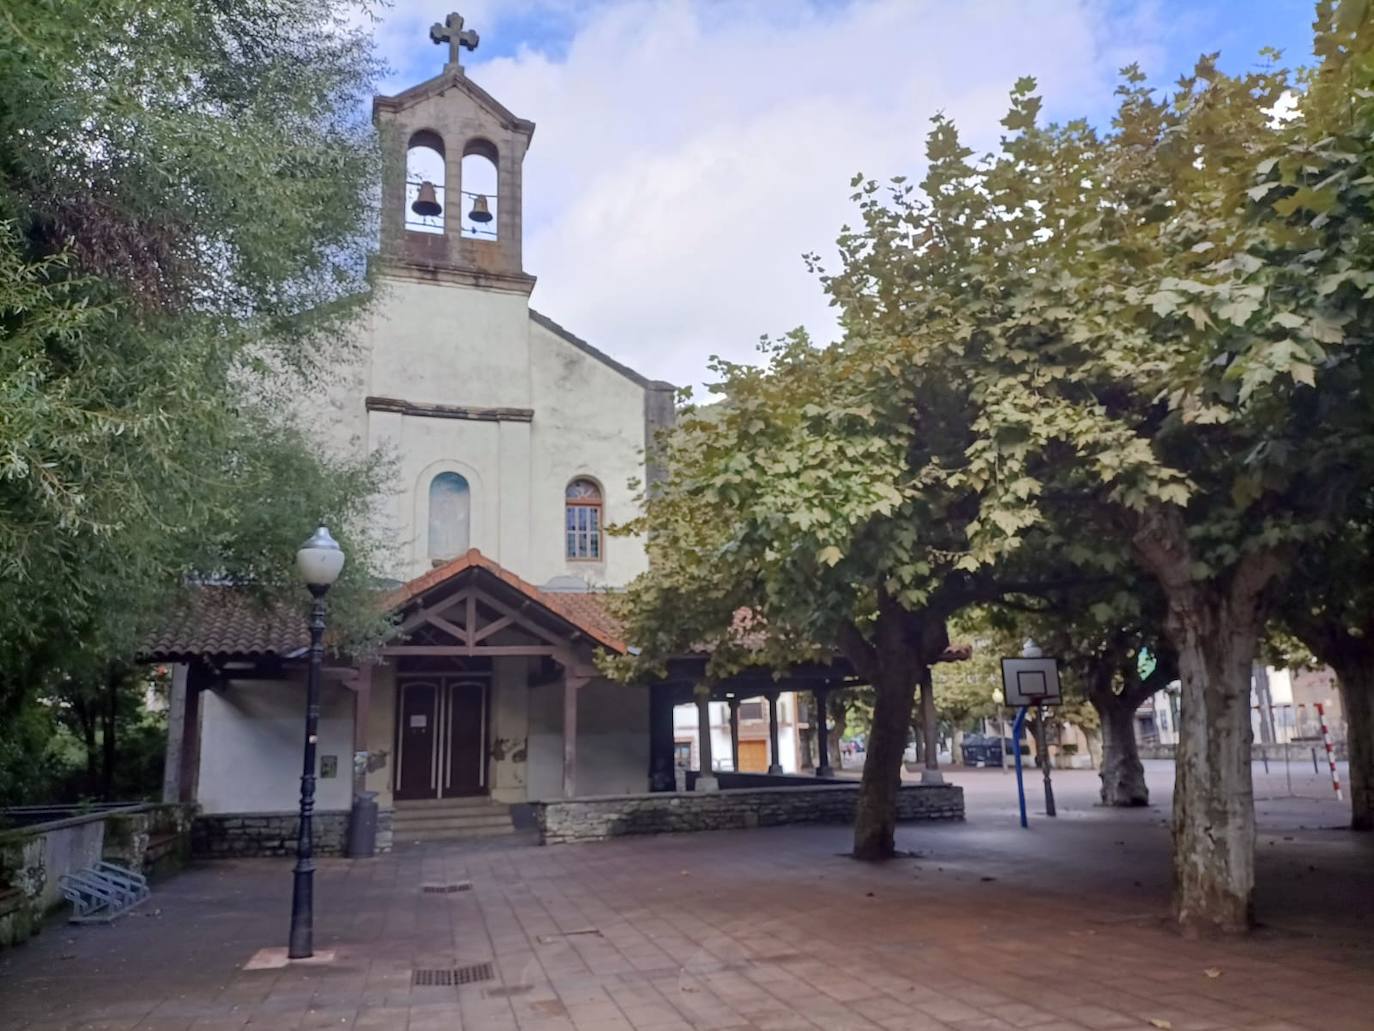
318	562
998	700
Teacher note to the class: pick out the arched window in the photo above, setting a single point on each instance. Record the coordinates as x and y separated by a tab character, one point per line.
480	191
450	502
424	211
582	523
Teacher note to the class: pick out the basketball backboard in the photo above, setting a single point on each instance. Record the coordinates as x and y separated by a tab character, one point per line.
1030	682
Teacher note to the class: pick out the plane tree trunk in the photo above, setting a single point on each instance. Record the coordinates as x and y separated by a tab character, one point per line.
1214	625
875	818
1122	773
1116	690
892	661
1353	660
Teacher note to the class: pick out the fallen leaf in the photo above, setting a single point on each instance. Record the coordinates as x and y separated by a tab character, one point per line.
1212	972
1163	1025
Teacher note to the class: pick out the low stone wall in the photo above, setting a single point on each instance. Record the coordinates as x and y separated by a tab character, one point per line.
250	835
594	819
150	838
730	781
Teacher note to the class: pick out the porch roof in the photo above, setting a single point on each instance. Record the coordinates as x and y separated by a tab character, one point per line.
220	623
583	611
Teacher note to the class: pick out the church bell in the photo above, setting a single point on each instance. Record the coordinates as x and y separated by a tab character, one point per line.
427	202
480	211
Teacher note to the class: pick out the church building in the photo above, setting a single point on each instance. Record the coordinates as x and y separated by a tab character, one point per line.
515	443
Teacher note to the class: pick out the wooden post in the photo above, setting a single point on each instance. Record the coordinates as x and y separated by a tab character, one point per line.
662	761
176	734
362	713
823	767
734	734
571	685
774	767
199	677
706	776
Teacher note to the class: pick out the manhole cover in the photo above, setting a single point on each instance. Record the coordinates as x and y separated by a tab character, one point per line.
452	975
445	889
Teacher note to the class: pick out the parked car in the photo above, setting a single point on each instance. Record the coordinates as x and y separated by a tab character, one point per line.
982	750
987	750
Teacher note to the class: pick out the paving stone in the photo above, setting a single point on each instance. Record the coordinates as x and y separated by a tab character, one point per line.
771	930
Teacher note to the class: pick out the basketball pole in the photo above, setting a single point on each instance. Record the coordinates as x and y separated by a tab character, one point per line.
1016	727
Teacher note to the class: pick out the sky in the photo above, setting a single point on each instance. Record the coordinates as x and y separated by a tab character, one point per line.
688	152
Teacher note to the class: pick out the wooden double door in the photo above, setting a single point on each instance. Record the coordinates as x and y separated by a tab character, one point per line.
441	736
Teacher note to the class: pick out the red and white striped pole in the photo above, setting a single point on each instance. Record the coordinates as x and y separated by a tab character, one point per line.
1330	755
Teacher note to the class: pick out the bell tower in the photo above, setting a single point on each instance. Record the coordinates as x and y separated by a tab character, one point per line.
452	180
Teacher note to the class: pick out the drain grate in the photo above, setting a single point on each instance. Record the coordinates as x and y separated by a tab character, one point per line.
444	977
445	889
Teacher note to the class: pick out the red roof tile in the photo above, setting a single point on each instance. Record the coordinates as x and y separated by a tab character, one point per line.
213	622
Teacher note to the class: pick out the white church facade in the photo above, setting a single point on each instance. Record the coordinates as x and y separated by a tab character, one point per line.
514	444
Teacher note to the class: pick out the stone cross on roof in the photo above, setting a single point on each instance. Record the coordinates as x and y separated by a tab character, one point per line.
450	31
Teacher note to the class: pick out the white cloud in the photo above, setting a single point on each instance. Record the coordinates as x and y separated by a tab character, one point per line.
688	152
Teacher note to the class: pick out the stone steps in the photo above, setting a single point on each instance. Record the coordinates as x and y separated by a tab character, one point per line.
450	819
415	805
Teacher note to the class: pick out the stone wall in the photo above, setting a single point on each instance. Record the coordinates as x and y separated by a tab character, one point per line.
246	835
594	819
151	838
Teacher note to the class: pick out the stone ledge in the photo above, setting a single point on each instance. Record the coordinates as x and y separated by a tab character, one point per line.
607	816
256	835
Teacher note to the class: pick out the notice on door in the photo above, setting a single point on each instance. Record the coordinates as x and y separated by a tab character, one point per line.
419	721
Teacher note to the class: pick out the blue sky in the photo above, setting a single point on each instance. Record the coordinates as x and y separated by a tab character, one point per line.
689	151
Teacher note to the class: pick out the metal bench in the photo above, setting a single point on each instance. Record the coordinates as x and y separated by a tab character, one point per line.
102	892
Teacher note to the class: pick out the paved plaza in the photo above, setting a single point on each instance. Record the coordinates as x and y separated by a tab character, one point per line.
983	927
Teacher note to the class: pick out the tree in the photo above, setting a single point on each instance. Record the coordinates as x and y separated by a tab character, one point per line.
1113	655
185	210
1328	604
1160	323
828	497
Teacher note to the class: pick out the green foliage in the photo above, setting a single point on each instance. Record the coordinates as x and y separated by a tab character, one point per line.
186	205
1142	330
1326	607
32	757
972	690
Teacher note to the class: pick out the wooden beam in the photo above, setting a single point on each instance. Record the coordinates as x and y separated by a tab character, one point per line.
495	626
438	609
495	650
527	624
449	628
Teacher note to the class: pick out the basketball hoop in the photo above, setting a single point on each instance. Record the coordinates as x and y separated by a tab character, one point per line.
1028	682
1031	680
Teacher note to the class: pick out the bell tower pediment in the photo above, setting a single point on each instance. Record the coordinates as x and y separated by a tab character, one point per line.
452	180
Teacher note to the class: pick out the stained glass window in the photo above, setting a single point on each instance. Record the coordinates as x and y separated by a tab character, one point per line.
582	520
